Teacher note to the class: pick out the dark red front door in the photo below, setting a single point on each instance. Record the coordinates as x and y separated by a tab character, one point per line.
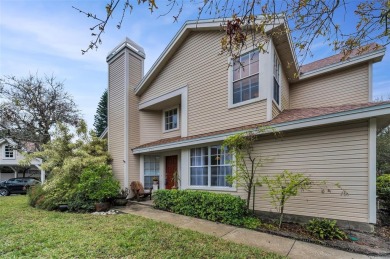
170	169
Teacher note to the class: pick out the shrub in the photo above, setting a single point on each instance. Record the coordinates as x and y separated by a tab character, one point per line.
383	190
325	229
80	203
218	207
251	222
67	158
34	193
97	183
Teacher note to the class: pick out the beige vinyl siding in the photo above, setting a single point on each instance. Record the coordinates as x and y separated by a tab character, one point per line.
285	92
116	115
344	87
198	65
275	110
151	125
135	75
336	154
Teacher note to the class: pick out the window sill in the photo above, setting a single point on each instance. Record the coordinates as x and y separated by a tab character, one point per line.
277	105
167	131
205	188
9	158
258	99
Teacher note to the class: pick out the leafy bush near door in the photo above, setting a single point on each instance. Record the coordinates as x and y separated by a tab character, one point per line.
224	208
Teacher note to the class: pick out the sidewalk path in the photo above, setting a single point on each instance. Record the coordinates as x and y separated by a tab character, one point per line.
267	242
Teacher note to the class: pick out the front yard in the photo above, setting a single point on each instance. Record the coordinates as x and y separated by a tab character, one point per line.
29	232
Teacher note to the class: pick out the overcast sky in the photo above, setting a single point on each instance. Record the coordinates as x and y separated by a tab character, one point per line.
46	37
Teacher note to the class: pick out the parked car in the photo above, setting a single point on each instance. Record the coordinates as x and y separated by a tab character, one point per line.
17	185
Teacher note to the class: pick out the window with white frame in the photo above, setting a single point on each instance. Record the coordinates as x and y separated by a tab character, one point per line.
246	77
151	170
171	119
209	167
276	91
9	152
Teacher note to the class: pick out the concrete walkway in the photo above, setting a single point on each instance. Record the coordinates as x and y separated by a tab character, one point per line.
280	245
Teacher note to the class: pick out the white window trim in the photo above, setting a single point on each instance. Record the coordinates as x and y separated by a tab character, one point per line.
233	188
279	81
13	152
230	83
178	119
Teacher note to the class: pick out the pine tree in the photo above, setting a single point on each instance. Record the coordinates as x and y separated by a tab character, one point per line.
100	123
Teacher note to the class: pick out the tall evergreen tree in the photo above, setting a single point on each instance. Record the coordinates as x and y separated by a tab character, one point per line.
100	123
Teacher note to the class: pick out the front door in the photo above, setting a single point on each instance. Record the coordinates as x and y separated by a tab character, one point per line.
170	170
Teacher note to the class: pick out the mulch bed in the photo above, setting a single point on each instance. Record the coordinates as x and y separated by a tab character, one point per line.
377	243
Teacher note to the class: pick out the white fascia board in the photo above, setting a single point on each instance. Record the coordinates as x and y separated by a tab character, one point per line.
362	113
355	60
188	26
162	98
290	42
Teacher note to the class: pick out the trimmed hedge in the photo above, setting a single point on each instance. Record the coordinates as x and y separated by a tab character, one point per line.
224	208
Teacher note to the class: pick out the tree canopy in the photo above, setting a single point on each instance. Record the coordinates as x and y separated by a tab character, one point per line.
383	151
31	106
342	24
100	123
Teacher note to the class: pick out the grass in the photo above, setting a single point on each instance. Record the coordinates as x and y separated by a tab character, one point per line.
28	232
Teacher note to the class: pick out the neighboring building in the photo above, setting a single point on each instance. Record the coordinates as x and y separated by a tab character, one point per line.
175	118
9	163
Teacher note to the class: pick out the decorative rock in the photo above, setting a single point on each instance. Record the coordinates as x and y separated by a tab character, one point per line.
104	213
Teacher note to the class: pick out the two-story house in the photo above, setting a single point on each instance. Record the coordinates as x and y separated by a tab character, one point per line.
9	163
173	119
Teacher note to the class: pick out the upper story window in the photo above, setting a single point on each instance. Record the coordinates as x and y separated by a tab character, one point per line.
276	88
171	119
9	152
246	77
209	167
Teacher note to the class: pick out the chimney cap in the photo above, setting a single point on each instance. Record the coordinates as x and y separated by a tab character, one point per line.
134	47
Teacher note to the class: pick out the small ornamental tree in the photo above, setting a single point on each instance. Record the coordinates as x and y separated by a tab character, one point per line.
284	186
245	162
288	184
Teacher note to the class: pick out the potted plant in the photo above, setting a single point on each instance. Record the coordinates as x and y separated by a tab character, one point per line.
155	180
176	180
121	198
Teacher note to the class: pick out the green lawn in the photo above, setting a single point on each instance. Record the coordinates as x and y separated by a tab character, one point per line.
28	232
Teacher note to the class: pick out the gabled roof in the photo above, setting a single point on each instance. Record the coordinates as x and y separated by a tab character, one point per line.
9	141
287	117
373	52
202	25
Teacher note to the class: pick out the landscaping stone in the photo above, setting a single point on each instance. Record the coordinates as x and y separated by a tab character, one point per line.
104	213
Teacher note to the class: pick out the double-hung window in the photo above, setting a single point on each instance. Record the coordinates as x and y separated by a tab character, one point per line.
151	169
246	77
210	167
171	119
276	91
9	152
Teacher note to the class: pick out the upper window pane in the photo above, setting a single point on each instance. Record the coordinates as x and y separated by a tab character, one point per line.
246	77
171	119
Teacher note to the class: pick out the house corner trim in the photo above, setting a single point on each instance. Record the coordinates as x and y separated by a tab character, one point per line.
372	171
126	129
